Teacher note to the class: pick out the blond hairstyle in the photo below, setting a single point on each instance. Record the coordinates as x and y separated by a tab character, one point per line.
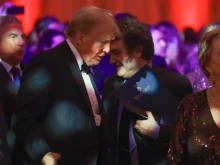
205	44
85	19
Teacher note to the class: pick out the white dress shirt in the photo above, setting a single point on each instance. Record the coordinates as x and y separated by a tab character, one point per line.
88	84
8	68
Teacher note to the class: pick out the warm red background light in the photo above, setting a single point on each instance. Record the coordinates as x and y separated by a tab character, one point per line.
193	13
32	10
183	13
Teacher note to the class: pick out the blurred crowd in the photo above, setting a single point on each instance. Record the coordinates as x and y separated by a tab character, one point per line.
59	91
174	50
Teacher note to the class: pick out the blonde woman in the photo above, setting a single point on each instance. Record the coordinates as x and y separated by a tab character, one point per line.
196	139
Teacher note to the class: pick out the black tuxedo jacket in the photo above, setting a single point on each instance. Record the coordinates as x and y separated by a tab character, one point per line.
8	91
5	158
54	112
178	84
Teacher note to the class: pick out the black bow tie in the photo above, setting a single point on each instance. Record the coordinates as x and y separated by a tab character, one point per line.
85	68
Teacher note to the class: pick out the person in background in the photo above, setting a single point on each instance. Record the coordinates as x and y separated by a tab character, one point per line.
160	47
4	8
41	26
50	39
196	139
5	158
176	54
12	42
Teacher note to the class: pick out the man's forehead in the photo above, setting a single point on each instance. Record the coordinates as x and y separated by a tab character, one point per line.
14	30
118	43
12	26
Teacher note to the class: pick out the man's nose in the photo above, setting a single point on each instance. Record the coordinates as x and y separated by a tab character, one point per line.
107	48
112	59
21	41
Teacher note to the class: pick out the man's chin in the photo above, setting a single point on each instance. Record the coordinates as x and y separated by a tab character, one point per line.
121	75
95	63
19	57
125	75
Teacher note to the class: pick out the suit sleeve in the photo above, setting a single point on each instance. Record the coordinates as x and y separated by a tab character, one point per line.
177	152
4	148
184	88
33	103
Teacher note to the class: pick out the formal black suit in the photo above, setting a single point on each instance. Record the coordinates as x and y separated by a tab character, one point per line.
155	153
5	158
54	112
9	91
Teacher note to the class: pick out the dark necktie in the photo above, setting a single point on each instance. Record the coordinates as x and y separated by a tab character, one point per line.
16	75
85	68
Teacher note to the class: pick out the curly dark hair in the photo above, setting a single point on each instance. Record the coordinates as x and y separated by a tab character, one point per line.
136	36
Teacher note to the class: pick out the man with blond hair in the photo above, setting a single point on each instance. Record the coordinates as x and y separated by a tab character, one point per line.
59	117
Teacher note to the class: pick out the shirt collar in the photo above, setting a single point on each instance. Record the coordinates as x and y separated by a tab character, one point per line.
76	53
8	66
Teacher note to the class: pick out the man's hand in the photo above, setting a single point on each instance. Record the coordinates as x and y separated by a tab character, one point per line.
148	127
51	158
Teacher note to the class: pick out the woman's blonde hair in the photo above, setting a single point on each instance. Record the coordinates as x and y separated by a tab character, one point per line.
205	44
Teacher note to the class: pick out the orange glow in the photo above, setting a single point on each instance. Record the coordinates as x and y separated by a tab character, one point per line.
193	13
183	13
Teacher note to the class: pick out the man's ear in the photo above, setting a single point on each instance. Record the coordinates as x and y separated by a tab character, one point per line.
79	38
138	51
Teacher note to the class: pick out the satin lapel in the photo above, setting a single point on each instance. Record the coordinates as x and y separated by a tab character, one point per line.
79	80
117	85
116	116
76	73
4	73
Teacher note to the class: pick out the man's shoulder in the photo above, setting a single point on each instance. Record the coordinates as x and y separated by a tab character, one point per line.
111	83
48	57
2	68
3	73
177	83
169	75
112	79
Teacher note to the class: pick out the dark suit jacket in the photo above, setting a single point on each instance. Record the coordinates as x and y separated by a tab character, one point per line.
8	90
5	158
178	84
54	112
